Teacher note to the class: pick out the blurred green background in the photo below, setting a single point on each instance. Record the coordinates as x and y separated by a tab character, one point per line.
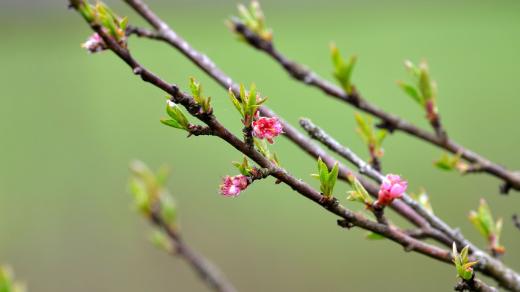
72	122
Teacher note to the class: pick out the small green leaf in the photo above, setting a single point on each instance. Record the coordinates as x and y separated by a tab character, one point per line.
243	94
333	176
424	89
483	221
141	198
484	214
168	209
359	193
253	18
464	254
412	92
245	14
475	220
86	10
172	123
161	241
374	236
195	88
324	176
236	102
243	167
425	84
447	162
342	70
123	23
252	95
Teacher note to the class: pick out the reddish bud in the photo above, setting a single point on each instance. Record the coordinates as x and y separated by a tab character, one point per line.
391	188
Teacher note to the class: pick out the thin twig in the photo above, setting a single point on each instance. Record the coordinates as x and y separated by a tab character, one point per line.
389	121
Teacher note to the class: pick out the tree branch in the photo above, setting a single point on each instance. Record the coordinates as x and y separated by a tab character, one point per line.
389	121
177	96
488	265
355	219
165	33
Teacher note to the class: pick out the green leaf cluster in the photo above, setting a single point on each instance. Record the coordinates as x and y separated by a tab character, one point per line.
483	221
448	162
423	88
103	15
161	240
177	118
462	264
243	167
359	193
150	193
371	137
327	178
196	91
247	104
263	148
343	70
254	19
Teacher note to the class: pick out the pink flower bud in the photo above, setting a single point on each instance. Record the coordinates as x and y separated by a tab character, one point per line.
232	185
94	44
391	188
267	128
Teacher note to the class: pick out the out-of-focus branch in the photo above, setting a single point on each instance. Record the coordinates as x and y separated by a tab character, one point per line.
204	268
388	121
155	203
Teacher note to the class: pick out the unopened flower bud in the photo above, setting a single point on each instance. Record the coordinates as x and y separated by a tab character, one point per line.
391	188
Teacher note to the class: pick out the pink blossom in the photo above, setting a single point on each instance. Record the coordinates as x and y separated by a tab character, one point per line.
94	44
267	128
232	185
391	188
